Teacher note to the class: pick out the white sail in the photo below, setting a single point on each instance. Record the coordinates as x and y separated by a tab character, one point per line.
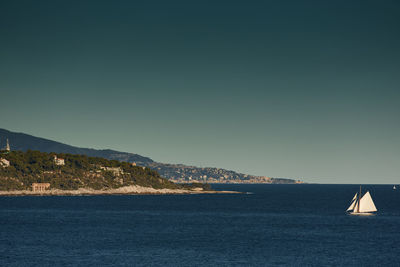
353	203
356	206
351	206
366	203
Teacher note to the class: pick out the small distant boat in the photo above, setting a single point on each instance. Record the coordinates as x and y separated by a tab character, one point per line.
394	187
362	205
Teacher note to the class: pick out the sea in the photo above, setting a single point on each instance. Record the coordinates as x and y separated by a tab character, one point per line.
267	225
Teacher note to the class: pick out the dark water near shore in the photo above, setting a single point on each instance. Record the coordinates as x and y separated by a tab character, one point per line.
277	225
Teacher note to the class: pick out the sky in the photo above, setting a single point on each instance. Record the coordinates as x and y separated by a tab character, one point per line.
299	89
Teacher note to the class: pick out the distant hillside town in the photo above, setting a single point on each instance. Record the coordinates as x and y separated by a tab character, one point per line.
188	174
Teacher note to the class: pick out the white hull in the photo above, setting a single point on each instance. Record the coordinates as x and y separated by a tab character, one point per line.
362	213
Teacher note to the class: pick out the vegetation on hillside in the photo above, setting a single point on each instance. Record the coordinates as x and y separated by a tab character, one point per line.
79	171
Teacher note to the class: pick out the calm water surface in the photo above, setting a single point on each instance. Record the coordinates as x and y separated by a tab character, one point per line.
276	225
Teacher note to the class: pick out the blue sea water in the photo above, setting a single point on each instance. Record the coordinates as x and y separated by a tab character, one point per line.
275	225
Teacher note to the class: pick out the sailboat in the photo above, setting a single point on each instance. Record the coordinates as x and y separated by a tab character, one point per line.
394	187
362	205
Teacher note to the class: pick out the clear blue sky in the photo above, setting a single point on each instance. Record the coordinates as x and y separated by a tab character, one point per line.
299	89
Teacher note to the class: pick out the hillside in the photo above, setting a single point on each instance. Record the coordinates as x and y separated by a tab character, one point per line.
24	142
176	172
187	174
19	170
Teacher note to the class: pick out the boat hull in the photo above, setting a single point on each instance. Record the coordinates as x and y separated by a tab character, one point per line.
362	213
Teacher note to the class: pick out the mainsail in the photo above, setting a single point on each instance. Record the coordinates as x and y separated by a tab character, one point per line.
366	203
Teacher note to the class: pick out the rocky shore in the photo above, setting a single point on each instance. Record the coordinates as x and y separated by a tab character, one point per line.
126	190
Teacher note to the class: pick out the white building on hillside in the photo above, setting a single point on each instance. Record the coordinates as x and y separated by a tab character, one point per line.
40	187
116	170
7	147
59	161
4	163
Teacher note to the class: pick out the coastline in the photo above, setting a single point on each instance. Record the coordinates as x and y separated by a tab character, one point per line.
125	190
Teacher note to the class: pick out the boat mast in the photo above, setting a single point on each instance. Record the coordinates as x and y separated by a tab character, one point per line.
359	198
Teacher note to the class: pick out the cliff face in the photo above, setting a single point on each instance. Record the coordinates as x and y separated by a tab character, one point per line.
175	172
